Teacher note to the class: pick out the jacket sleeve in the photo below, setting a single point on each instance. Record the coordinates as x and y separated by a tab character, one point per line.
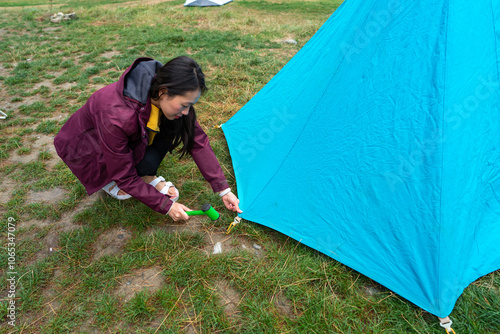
120	164
207	162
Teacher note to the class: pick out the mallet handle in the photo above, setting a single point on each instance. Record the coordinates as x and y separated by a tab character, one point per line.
195	213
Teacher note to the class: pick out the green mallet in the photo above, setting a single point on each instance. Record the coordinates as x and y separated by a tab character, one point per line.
206	209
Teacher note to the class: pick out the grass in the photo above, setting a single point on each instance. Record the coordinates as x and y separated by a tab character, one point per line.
77	256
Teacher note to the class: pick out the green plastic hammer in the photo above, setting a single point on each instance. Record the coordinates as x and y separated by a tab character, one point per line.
206	209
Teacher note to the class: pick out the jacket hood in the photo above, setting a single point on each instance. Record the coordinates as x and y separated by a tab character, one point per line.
138	78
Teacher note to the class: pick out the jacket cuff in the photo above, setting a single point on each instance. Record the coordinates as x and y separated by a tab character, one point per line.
166	206
218	186
224	192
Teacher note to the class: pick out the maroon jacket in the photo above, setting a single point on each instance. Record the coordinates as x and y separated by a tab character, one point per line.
106	138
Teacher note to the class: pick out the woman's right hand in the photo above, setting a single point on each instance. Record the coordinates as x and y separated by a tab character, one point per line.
178	212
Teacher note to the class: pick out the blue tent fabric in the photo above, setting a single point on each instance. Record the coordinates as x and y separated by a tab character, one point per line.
378	144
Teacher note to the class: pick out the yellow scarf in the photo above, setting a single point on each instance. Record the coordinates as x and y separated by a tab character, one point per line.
153	125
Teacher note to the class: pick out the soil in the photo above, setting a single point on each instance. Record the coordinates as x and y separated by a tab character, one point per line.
149	280
230	298
220	242
284	306
7	186
111	242
48	196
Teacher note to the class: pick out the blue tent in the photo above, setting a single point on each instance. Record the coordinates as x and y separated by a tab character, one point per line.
378	144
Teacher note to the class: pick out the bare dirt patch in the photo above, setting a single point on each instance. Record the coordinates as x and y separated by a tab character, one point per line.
50	244
95	87
8	105
46	83
56	117
51	29
283	305
35	222
38	143
135	3
43	141
149	280
223	243
67	85
52	304
51	293
63	225
51	196
192	225
111	242
50	85
110	54
3	71
23	158
89	327
7	186
230	299
66	224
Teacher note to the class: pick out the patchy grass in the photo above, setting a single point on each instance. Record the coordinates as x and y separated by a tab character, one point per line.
93	264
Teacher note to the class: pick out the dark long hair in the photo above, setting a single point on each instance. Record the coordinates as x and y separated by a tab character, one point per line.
179	76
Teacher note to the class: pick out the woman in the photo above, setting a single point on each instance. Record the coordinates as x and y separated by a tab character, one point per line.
117	140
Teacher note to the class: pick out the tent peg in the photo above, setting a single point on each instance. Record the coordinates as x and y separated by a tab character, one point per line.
446	324
236	221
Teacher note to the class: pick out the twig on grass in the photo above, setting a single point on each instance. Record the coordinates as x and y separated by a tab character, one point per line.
301	281
350	287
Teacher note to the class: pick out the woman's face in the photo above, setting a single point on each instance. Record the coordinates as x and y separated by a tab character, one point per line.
177	106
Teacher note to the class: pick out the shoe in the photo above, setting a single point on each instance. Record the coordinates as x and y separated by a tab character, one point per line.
165	189
114	192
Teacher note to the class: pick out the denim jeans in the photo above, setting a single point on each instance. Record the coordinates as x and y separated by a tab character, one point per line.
154	156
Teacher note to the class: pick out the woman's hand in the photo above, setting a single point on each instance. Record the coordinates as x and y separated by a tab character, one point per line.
178	212
231	202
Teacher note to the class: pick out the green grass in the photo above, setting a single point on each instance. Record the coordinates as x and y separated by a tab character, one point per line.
47	71
57	3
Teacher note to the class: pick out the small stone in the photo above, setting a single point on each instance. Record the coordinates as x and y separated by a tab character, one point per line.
217	248
289	41
256	246
371	291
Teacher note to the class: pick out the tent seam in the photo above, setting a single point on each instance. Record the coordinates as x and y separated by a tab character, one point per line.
495	39
442	156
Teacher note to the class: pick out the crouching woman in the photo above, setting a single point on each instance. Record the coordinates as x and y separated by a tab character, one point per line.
118	139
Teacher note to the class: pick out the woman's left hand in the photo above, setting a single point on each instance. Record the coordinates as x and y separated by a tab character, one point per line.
231	202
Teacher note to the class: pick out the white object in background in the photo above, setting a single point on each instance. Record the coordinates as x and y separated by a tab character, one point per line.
203	3
217	248
3	115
